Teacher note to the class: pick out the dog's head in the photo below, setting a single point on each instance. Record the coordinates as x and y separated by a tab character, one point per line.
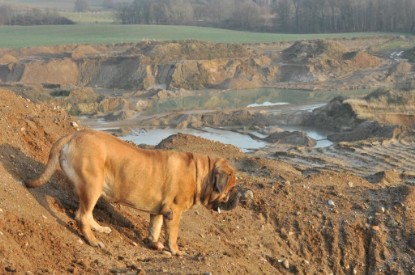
223	192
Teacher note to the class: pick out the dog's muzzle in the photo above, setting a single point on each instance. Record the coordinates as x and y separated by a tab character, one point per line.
230	203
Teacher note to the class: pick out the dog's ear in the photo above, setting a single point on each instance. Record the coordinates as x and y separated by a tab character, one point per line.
222	176
221	180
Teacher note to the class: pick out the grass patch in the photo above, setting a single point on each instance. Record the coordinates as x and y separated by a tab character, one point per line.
102	17
395	44
29	36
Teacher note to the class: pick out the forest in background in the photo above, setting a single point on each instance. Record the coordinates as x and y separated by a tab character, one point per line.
292	16
279	16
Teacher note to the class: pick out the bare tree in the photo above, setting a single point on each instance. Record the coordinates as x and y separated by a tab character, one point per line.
80	6
6	14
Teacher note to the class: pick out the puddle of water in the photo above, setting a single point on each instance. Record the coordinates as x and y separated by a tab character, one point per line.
242	141
266	104
154	136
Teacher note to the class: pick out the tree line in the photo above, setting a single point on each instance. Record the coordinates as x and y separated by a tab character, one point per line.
290	16
294	16
10	16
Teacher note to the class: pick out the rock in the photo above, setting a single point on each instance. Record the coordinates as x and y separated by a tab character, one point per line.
297	138
167	253
74	124
247	195
330	203
384	177
286	264
120	115
411	242
10	269
392	223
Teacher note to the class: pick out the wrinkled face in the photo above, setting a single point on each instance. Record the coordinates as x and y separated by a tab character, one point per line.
224	195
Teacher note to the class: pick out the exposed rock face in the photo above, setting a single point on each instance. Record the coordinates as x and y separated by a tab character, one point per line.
174	65
320	60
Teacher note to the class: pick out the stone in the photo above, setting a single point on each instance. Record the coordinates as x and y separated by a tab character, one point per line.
286	264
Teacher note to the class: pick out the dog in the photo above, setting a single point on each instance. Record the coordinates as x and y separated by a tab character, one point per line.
162	183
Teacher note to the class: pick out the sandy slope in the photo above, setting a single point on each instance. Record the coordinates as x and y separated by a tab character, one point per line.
330	222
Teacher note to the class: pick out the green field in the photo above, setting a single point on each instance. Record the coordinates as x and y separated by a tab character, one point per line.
28	36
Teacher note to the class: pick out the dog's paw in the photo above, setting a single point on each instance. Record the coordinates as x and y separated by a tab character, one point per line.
105	229
101	229
96	244
155	245
100	245
158	246
178	253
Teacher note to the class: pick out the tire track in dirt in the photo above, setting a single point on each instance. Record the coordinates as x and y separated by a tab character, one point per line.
360	159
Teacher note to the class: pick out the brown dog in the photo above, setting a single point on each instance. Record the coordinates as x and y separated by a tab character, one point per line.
163	183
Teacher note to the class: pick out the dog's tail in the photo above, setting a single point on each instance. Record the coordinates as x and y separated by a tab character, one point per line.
52	164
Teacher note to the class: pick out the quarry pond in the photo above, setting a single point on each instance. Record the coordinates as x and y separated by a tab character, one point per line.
226	136
247	98
268	100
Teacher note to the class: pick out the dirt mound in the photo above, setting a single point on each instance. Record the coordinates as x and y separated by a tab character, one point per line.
386	106
305	51
183	142
322	60
288	222
360	60
297	138
383	114
409	54
334	116
8	58
31	127
189	50
83	51
401	68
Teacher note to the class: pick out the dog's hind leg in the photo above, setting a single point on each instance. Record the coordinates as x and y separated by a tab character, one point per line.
94	224
89	189
84	215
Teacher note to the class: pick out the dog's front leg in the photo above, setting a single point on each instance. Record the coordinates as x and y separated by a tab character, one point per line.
154	230
172	231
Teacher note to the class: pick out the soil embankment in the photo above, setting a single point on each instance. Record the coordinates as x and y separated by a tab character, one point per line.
294	219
